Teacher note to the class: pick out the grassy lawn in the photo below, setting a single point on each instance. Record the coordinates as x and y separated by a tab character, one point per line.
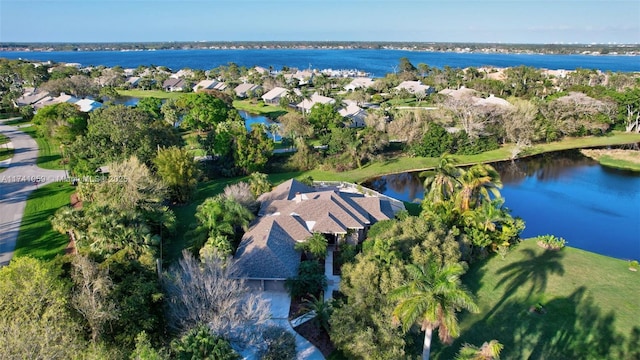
36	237
618	163
49	156
270	111
590	302
5	153
16	121
150	93
615	158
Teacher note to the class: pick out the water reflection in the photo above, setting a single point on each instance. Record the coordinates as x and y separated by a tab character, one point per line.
250	119
566	194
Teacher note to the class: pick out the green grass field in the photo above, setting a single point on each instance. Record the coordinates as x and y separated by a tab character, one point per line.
5	153
270	111
591	304
619	164
49	156
36	237
150	93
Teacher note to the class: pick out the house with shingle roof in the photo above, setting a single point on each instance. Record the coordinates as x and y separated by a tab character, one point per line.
31	96
290	214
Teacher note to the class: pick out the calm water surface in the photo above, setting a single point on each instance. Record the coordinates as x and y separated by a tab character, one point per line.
376	62
250	119
593	207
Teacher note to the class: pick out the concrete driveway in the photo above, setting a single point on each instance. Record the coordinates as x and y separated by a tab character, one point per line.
279	303
16	183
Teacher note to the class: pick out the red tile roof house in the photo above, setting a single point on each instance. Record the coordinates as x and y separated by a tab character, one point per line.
291	213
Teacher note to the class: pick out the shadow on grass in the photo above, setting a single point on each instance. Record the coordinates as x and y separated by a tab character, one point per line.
534	270
572	327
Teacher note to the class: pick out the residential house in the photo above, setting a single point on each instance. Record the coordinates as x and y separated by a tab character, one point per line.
31	96
49	100
354	113
358	83
133	81
304	77
414	87
88	105
291	213
209	85
306	104
173	84
242	89
273	96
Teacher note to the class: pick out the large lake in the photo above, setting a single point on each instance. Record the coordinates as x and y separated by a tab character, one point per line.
376	62
594	208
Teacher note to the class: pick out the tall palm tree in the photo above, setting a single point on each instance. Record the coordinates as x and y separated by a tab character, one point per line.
432	296
478	182
442	182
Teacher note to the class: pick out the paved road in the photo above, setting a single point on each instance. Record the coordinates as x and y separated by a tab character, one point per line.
16	183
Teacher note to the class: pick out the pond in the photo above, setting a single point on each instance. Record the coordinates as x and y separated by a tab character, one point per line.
593	207
250	119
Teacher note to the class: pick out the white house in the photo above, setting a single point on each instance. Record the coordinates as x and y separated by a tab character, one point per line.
88	105
273	96
359	82
316	98
354	113
414	87
209	85
242	89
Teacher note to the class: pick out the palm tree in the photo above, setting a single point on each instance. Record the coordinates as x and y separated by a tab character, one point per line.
442	181
274	130
477	183
432	297
220	216
488	351
320	310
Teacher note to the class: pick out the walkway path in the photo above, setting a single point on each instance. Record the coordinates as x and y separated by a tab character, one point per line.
16	183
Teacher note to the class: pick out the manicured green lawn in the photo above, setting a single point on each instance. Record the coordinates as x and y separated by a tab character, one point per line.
270	111
5	152
36	237
49	156
150	93
618	163
591	304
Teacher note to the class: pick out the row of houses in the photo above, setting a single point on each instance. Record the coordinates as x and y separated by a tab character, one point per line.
39	98
351	110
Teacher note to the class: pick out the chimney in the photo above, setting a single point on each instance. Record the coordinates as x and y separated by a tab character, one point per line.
298	197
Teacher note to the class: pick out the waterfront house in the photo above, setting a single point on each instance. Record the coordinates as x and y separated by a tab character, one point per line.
359	83
306	104
273	96
292	212
242	89
414	87
173	84
88	105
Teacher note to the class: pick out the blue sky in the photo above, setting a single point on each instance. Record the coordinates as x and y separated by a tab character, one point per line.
509	21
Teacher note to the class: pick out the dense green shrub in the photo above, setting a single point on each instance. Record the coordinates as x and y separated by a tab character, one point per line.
310	280
281	344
